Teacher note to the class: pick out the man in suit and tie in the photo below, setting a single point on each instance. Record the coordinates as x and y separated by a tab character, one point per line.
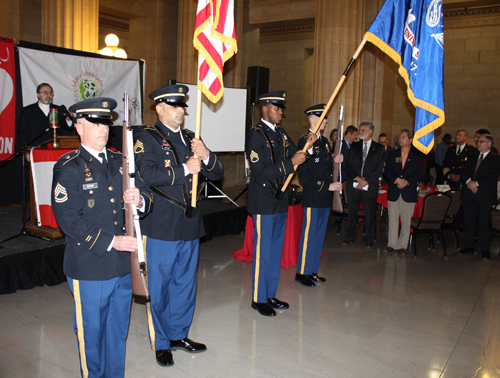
403	170
351	135
479	194
455	159
364	165
34	118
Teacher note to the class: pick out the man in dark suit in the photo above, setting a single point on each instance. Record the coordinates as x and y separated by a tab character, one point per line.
34	118
365	162
479	194
455	159
87	202
403	170
351	135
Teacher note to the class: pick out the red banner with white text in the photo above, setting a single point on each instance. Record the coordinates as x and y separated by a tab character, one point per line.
7	98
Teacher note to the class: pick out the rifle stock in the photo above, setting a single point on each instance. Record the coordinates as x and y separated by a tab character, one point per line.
337	200
132	226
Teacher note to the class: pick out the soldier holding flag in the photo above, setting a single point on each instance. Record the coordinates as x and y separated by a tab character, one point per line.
165	161
272	155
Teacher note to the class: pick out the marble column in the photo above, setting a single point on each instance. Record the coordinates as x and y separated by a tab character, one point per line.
187	55
153	37
378	81
340	26
73	24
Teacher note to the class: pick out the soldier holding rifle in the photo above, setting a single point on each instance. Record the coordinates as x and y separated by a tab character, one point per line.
316	175
87	203
165	161
272	156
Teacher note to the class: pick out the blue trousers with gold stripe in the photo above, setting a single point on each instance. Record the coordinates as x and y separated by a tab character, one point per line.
172	267
102	315
311	241
268	236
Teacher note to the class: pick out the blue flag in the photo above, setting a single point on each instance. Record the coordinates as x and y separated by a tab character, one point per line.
411	33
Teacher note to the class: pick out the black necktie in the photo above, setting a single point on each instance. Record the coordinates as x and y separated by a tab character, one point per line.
102	155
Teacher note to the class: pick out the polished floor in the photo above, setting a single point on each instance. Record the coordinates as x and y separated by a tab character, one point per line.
378	315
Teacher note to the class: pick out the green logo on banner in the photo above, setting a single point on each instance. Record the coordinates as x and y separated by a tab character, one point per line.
87	85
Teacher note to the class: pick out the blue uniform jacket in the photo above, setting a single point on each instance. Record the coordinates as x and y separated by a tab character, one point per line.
88	206
316	173
413	172
159	169
261	198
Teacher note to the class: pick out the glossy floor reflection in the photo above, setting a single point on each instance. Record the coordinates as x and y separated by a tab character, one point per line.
378	315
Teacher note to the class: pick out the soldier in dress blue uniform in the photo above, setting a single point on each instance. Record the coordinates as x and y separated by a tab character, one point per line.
87	203
165	161
316	175
272	155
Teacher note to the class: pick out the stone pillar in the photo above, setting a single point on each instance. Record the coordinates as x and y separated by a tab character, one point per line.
378	84
340	26
73	24
187	55
153	37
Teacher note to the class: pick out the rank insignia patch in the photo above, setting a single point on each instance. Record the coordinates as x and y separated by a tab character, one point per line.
254	157
60	194
91	203
139	147
167	163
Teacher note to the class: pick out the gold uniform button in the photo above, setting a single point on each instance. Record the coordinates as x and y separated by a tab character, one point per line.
116	223
189	180
110	188
114	211
112	200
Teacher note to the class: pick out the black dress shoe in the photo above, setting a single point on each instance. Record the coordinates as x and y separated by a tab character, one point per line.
369	244
315	277
187	345
466	251
264	309
347	241
276	303
486	255
164	357
389	249
303	279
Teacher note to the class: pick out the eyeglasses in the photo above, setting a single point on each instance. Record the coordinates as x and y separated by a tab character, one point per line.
46	93
482	141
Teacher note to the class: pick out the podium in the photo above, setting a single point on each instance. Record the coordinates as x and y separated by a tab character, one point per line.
42	160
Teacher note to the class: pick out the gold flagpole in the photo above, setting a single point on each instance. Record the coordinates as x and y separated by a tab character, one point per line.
194	188
328	105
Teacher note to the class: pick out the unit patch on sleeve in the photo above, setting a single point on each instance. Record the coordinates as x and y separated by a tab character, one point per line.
139	147
60	194
254	157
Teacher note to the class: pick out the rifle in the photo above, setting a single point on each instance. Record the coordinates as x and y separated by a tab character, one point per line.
337	201
132	226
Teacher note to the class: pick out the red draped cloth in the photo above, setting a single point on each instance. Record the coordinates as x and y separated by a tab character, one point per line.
382	198
293	230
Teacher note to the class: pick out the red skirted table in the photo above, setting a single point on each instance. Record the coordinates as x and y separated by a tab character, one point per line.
293	230
382	197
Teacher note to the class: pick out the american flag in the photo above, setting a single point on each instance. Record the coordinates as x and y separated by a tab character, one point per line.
215	40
